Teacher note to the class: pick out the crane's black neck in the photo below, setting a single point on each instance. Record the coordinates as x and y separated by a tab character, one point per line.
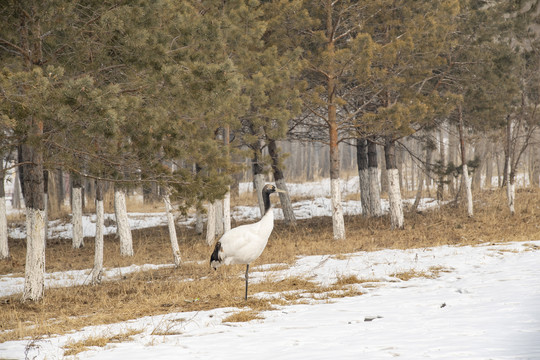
266	200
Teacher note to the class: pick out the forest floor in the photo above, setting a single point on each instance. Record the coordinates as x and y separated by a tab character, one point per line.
194	287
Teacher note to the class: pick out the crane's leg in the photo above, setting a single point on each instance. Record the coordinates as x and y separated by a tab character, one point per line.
247	277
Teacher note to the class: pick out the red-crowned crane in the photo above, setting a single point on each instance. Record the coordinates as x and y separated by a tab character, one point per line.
245	243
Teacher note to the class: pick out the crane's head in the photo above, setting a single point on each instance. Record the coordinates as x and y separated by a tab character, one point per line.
270	189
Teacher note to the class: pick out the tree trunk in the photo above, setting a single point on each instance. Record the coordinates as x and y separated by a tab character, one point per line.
227	211
373	176
123	230
394	192
199	222
338	222
363	175
443	162
511	193
32	171
284	198
424	175
509	171
489	166
97	270
535	165
46	202
4	246
211	224
466	178
218	206
172	229
77	212
258	179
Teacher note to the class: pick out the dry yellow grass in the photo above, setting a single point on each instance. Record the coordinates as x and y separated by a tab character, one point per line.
194	286
73	348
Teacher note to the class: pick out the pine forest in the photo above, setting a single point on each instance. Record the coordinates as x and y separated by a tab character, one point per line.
418	119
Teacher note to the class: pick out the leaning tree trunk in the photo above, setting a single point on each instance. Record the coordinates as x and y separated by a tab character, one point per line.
172	229
466	177
32	172
394	191
374	184
123	230
77	212
4	247
363	175
97	270
284	198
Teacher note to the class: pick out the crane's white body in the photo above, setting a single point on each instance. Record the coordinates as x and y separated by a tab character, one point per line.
245	243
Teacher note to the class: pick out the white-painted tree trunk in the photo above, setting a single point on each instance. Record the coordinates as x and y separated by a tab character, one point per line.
338	223
258	181
97	270
210	224
468	190
4	247
172	231
227	211
363	179
218	206
394	197
76	218
374	192
199	222
34	276
123	230
511	194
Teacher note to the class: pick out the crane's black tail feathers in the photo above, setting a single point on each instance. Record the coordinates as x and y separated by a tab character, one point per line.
214	259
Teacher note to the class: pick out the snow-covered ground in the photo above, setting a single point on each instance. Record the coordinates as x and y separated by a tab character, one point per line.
484	304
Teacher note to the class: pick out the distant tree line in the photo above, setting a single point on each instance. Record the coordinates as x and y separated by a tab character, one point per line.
176	94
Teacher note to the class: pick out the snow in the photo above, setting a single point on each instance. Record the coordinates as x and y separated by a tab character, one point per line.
484	304
476	302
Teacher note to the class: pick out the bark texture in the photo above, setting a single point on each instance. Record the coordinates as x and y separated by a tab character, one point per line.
363	175
97	270
338	223
32	185
374	183
172	231
394	191
284	198
4	246
123	230
76	219
465	172
34	272
210	224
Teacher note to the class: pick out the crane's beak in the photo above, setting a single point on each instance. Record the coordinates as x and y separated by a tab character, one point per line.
281	191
